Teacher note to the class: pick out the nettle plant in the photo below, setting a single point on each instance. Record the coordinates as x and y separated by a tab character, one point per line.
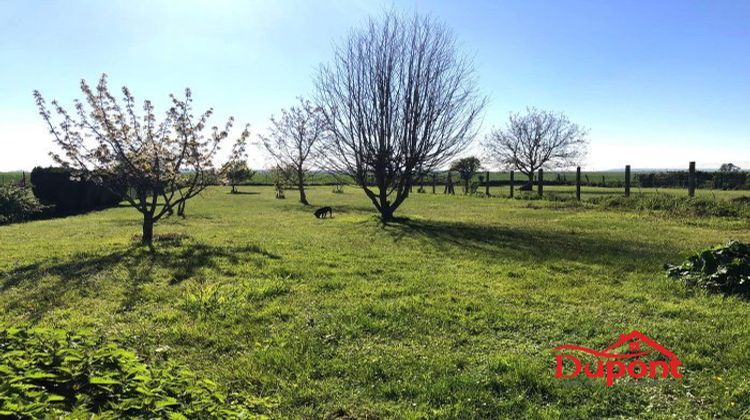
154	165
49	373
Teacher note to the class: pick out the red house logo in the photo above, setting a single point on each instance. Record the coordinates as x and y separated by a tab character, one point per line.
613	365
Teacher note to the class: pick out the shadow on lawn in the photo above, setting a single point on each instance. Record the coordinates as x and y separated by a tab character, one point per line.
81	272
181	260
494	242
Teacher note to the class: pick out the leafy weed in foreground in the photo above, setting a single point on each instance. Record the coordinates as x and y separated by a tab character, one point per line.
723	269
48	371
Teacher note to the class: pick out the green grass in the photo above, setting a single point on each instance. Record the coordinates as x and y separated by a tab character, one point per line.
589	192
8	177
451	313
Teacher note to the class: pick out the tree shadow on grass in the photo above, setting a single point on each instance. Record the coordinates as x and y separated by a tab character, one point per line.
83	273
182	260
533	245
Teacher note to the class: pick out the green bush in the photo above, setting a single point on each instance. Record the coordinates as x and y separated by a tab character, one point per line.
52	373
17	204
723	269
676	205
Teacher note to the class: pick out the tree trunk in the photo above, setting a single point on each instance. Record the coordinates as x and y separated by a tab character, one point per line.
386	213
301	184
234	189
148	230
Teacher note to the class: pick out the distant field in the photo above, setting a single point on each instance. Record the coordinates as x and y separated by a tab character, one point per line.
266	177
8	177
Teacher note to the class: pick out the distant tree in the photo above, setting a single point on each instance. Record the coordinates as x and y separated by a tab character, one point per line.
537	140
729	167
398	97
281	176
155	166
466	168
293	141
236	170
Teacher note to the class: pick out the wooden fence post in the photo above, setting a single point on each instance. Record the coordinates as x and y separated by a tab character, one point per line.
627	180
540	187
691	180
511	184
578	183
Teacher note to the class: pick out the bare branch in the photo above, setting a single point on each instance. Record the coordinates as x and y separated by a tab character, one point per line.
537	140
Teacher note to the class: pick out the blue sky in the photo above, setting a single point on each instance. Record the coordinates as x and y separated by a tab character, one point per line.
657	83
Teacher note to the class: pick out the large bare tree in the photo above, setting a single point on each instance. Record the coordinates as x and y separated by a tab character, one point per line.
293	141
537	140
398	97
155	166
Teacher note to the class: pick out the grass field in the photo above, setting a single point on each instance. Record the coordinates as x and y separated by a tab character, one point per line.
9	177
450	313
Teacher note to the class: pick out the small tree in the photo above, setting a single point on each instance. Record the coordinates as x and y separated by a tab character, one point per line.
281	176
155	166
293	139
236	170
537	140
466	168
729	167
17	204
397	97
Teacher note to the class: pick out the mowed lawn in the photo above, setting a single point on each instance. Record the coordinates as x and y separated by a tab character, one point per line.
453	312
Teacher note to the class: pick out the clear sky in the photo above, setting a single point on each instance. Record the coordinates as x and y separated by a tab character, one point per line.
658	83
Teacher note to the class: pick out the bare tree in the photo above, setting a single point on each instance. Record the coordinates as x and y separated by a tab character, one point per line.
293	139
398	97
154	166
537	140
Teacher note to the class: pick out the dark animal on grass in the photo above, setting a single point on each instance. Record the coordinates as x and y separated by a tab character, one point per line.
321	212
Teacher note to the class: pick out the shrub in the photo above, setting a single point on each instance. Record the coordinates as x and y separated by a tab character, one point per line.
676	205
55	187
54	373
16	204
722	269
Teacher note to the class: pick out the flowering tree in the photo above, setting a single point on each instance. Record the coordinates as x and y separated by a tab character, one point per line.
156	166
293	139
236	170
